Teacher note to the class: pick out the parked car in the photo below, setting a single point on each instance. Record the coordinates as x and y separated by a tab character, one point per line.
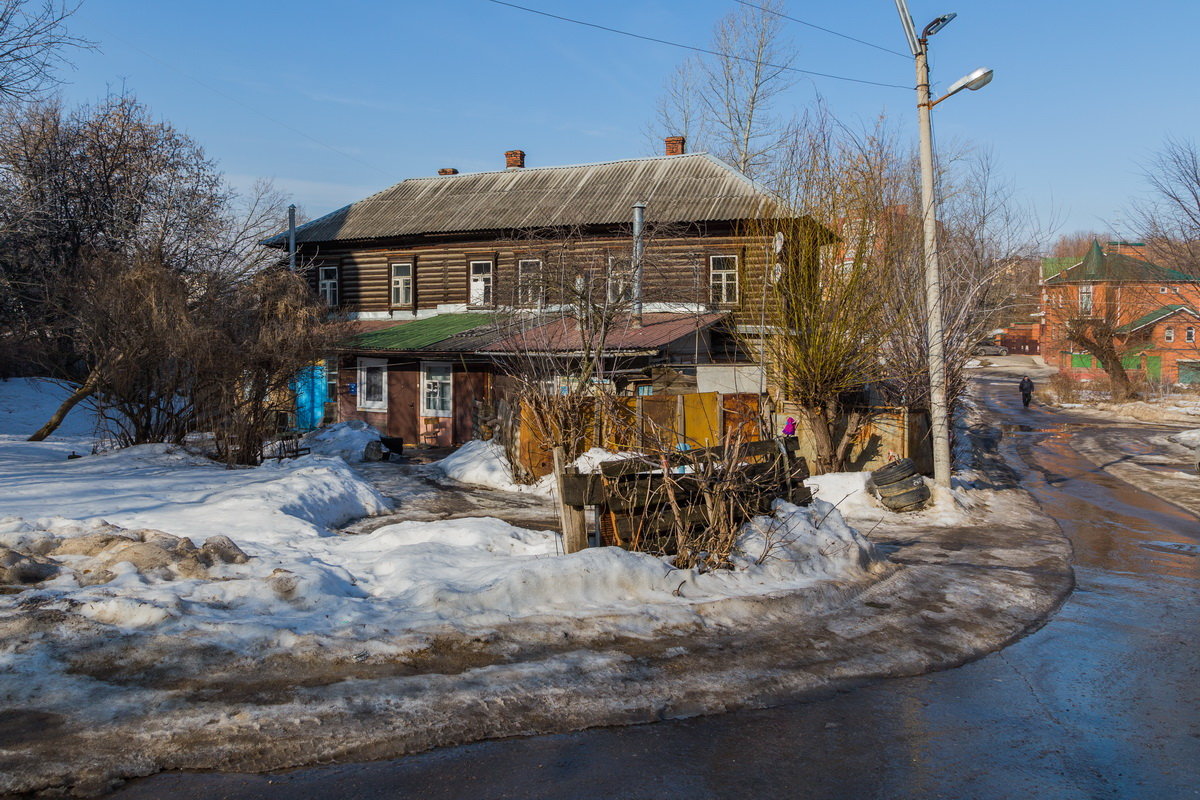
990	349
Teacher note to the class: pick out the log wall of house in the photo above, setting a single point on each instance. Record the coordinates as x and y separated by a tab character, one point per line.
676	267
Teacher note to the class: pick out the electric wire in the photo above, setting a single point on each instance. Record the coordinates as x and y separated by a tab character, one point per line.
694	48
826	30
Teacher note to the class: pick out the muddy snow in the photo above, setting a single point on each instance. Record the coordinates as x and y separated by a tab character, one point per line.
155	596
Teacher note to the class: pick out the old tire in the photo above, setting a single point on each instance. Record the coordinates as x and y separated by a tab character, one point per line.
894	472
900	487
911	500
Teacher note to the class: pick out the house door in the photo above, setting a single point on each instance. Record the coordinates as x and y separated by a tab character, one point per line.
311	394
1153	368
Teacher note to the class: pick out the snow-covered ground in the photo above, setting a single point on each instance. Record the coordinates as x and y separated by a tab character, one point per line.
120	538
152	593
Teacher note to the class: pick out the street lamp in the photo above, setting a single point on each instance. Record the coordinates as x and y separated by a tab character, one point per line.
939	417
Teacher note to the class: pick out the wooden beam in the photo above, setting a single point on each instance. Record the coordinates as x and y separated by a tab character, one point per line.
574	525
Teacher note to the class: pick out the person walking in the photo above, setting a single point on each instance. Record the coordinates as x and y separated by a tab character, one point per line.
1026	387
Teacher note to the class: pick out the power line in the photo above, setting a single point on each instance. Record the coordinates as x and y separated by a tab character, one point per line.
694	48
826	30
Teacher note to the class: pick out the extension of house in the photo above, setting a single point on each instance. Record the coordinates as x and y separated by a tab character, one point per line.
1152	309
449	280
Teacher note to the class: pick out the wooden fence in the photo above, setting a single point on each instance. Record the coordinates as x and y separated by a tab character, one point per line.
697	420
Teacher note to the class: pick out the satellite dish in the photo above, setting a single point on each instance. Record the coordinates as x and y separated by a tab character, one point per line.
778	242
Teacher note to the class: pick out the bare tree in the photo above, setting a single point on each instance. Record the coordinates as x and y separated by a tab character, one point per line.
726	102
1169	219
33	41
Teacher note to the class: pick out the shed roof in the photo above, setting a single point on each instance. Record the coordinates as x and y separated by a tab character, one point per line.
493	334
563	335
419	333
1154	316
694	187
1097	266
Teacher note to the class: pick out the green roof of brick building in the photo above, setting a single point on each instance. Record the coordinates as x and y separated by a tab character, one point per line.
1155	316
421	333
1098	267
1053	266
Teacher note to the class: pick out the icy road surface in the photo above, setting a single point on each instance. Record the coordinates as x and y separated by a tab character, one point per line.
1102	702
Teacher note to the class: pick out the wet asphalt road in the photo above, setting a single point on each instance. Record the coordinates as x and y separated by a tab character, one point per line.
1101	702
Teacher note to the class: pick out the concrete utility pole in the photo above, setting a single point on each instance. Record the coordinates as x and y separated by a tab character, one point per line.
939	416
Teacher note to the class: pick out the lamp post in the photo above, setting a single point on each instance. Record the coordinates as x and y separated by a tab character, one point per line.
939	417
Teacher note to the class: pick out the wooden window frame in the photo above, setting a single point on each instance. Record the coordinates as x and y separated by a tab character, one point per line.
361	367
329	289
489	298
426	409
531	293
1169	334
725	282
1189	335
412	282
618	280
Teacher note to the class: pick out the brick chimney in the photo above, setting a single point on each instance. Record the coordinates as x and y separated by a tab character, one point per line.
514	159
447	171
675	145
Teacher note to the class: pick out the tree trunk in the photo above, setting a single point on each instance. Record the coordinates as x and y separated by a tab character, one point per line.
86	389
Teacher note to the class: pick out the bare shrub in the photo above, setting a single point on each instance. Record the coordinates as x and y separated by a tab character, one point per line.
1063	388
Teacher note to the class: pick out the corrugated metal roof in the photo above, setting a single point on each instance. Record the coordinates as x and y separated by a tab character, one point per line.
689	188
419	334
563	335
496	335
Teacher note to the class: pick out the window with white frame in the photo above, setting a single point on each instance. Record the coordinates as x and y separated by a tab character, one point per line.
372	384
402	284
1085	299
481	283
1162	290
436	389
327	285
1169	335
723	275
529	282
1189	335
620	280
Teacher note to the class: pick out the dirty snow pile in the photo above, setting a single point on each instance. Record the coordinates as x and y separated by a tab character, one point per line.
1187	438
345	440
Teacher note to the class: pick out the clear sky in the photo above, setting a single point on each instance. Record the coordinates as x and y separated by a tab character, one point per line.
335	100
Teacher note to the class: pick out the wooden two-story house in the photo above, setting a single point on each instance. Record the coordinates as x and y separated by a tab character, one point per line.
453	278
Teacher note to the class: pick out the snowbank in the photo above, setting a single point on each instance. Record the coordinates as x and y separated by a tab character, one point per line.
345	440
154	538
1187	438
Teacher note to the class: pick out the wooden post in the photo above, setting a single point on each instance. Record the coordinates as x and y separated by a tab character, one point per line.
574	525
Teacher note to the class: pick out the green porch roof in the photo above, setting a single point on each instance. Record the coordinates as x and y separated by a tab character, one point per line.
419	333
1097	266
1155	316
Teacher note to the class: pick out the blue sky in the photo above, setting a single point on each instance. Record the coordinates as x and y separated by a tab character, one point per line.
334	101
